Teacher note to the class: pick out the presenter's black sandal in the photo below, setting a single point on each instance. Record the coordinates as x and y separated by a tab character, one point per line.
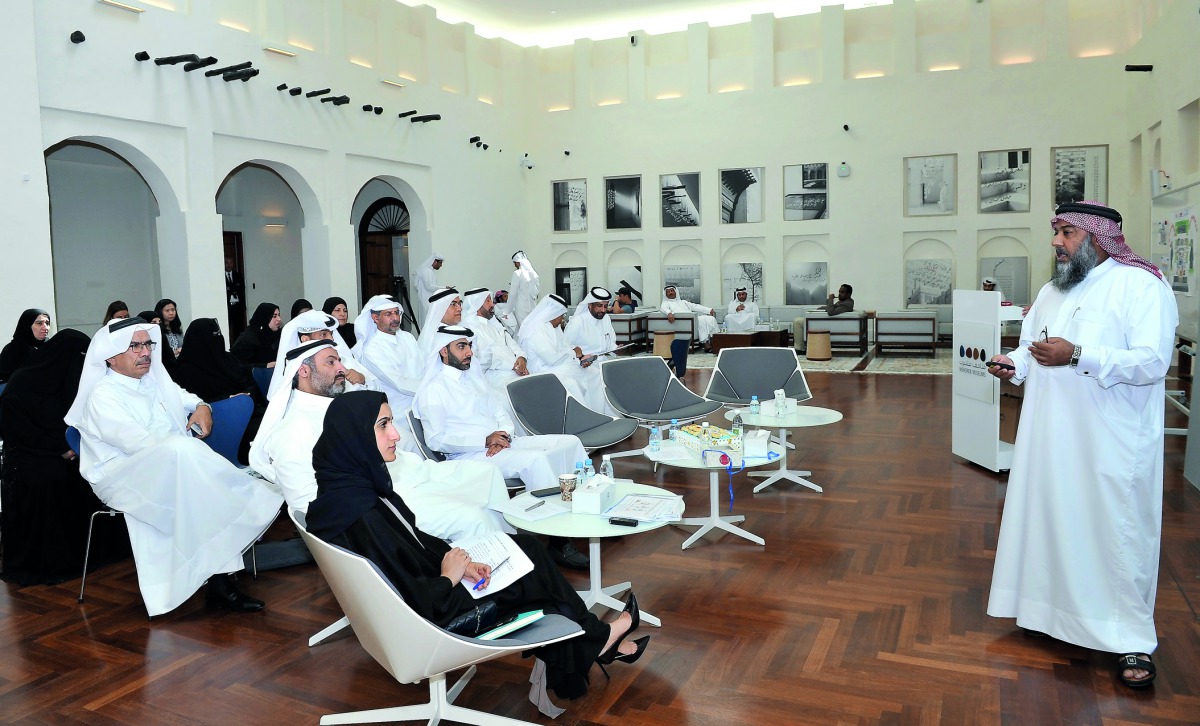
1138	661
1034	633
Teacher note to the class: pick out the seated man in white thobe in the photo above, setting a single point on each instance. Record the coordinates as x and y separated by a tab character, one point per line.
450	500
497	355
463	419
545	344
988	284
190	513
316	325
672	305
591	331
742	314
504	312
444	307
388	352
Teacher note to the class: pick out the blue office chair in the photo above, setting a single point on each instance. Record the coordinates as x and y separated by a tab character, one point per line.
230	418
262	378
73	442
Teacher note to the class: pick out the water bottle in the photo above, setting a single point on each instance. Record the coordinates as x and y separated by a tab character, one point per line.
755	407
737	424
606	468
673	432
579	473
588	471
655	440
705	434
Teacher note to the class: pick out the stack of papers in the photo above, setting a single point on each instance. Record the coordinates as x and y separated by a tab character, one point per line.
500	552
648	507
531	508
670	452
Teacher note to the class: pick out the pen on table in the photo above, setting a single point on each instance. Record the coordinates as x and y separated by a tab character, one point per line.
535	506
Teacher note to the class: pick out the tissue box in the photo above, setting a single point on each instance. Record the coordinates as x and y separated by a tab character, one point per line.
756	443
783	406
595	498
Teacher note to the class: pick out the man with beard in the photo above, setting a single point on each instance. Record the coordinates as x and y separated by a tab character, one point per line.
672	305
316	325
450	501
591	331
1077	557
444	307
497	355
742	314
388	352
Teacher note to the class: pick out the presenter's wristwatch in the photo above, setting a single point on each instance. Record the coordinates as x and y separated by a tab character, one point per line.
1075	356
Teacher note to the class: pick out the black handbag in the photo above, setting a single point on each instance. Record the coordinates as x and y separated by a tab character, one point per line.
476	620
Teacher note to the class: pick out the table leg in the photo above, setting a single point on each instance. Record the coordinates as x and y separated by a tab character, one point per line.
784	473
714	520
597	593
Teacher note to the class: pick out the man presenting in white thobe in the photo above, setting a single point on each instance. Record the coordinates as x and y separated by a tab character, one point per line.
1077	557
388	352
497	355
426	277
549	352
672	305
450	500
463	419
190	513
523	289
742	314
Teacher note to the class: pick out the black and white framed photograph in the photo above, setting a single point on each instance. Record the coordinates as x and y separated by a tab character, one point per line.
928	282
685	278
570	205
806	191
1080	172
742	195
1004	181
629	276
741	274
680	199
623	202
930	185
807	283
570	283
1010	276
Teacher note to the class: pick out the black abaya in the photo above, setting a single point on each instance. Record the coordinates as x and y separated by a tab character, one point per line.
258	345
18	350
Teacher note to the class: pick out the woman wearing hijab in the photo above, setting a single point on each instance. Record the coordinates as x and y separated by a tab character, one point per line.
340	311
258	344
357	509
46	503
116	309
206	369
172	327
33	328
300	306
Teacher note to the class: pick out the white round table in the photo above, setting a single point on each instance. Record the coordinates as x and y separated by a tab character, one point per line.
715	520
595	527
802	417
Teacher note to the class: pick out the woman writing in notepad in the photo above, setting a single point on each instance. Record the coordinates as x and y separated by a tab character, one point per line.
356	509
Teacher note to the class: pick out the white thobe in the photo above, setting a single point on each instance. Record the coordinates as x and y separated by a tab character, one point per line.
450	500
706	324
190	513
352	364
426	286
1077	556
736	322
397	364
459	413
495	352
522	294
548	352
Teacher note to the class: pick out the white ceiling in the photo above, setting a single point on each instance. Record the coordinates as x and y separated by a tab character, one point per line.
549	23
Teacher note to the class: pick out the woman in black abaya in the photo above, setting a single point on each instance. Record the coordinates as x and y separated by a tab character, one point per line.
33	327
258	344
46	503
338	308
351	510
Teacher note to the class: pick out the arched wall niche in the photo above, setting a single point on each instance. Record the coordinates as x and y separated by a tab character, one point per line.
624	267
407	250
740	252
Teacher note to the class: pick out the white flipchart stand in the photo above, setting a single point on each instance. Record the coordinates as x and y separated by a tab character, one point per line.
978	318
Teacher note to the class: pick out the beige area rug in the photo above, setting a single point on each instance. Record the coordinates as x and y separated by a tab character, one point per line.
889	364
838	364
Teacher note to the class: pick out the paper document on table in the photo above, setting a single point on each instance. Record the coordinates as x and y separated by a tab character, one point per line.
531	508
500	552
648	507
669	452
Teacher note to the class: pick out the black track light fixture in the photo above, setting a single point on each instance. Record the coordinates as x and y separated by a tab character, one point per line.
379	110
485	147
426	118
281	87
171	60
367	107
141	55
296	91
1139	68
473	140
478	144
321	92
243	75
336	100
202	63
77	37
226	69
406	113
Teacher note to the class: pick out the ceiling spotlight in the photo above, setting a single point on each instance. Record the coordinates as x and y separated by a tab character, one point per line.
485	147
378	110
226	69
566	152
321	92
171	60
243	75
406	113
281	87
141	55
1139	68
296	91
367	107
336	100
473	140
426	118
77	37
202	63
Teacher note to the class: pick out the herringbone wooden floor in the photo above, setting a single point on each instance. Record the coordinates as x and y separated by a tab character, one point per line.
867	606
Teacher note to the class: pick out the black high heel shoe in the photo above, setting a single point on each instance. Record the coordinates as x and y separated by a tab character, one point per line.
612	654
635	613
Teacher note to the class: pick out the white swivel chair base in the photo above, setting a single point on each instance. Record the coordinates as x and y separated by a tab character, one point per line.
599	594
440	706
714	520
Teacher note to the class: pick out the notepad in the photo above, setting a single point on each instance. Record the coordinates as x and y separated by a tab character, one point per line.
492	549
515	624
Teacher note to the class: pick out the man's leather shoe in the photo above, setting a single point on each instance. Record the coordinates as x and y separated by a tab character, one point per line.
223	593
568	556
